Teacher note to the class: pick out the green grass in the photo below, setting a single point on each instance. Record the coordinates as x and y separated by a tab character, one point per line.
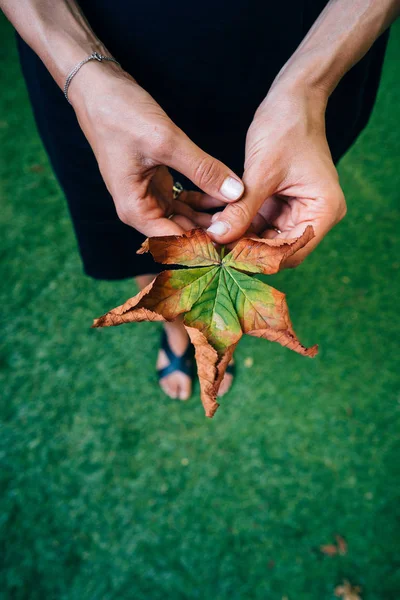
111	491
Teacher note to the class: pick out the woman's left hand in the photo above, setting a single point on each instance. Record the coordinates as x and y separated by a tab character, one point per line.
290	179
187	209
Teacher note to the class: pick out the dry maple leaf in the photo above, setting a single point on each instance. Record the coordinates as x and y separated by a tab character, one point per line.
218	300
348	591
333	549
341	545
329	549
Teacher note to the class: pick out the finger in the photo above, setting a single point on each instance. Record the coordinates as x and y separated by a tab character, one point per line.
321	228
144	214
159	227
200	201
184	222
197	218
270	216
202	220
250	231
208	173
237	217
139	201
176	225
271	213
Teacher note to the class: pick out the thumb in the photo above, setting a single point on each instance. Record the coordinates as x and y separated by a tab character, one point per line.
233	222
208	173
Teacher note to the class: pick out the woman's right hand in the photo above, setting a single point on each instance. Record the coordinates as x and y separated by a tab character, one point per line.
134	142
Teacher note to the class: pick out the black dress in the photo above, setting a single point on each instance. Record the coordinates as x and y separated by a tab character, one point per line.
209	65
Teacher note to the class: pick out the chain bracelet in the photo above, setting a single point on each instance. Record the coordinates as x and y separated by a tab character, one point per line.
71	75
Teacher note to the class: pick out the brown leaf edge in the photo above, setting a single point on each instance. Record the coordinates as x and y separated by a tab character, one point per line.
278	249
126	313
211	368
192	248
285	337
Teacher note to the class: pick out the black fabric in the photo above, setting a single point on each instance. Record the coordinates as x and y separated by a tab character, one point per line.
209	65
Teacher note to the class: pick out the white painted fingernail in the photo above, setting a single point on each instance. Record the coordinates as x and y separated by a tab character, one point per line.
232	189
219	228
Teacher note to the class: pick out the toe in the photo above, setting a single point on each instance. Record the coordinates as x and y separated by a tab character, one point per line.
169	385
174	389
166	388
185	387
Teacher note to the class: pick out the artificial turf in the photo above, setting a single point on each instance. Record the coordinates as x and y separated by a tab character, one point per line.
109	490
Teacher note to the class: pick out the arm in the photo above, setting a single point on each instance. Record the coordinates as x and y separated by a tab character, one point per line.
289	175
132	137
339	38
56	30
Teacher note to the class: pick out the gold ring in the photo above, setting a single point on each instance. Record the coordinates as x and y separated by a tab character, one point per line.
177	190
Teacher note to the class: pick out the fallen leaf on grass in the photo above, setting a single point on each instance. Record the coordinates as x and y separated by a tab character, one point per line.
218	300
341	544
348	591
329	549
333	549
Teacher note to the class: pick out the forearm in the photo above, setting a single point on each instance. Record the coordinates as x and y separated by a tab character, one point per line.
56	30
339	38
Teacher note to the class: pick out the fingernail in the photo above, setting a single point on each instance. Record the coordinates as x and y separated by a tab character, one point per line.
232	189
219	228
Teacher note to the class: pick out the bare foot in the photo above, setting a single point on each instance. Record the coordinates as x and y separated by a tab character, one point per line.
178	384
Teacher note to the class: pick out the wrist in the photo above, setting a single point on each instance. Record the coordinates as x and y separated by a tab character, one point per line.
302	78
62	51
93	84
315	77
297	101
58	33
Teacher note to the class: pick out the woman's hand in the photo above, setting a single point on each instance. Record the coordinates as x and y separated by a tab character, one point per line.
290	179
289	175
134	141
132	137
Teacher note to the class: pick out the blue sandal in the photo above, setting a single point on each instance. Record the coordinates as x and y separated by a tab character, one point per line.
185	363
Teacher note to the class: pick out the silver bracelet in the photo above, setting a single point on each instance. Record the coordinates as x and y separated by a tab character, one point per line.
94	56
